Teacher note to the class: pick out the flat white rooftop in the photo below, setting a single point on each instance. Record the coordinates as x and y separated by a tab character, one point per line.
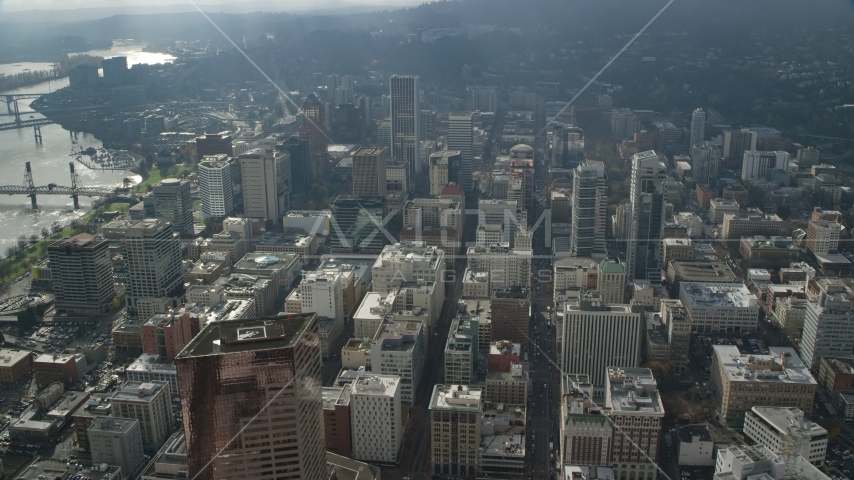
718	295
763	368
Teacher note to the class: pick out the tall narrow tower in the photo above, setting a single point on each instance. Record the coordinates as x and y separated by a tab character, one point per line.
461	138
589	208
406	121
646	201
698	126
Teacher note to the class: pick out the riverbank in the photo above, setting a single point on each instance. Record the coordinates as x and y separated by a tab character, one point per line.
21	263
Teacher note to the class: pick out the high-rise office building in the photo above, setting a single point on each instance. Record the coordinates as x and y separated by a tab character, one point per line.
597	335
736	142
151	404
461	138
455	419
262	372
369	172
117	441
611	282
444	169
646	204
828	329
115	69
152	258
172	203
763	165
313	129
589	209
511	314
215	186
375	418
266	183
406	120
301	168
705	163
522	167
82	274
698	126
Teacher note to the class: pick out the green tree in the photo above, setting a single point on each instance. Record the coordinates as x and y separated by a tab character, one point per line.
784	212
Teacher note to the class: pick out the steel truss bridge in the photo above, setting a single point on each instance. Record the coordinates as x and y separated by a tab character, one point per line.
75	191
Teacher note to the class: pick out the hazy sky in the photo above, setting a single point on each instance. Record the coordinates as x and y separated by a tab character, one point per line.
278	5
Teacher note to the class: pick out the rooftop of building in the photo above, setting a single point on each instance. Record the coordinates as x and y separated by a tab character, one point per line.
519	371
479	309
215	161
139	391
148	362
574	263
505	347
342	468
582	472
457	398
723	202
112	425
269	261
612	266
79	240
54	358
404	331
840	365
504	445
678	242
284	240
332	396
233	336
517	292
474	275
788	421
374	384
717	295
776	242
633	390
308	213
780	365
409	252
10	356
688	432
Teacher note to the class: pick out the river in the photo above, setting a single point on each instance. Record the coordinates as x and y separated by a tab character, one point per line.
49	161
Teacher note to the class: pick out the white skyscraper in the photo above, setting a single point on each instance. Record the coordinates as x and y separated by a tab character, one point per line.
646	203
589	208
215	186
375	418
828	329
461	137
406	120
152	256
266	183
597	336
698	126
705	162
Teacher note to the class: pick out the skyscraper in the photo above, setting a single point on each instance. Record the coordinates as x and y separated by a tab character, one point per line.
406	120
369	172
114	71
705	163
82	275
301	173
266	183
444	169
262	372
589	208
152	257
313	129
461	137
597	335
698	126
646	203
172	203
759	165
215	186
522	166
